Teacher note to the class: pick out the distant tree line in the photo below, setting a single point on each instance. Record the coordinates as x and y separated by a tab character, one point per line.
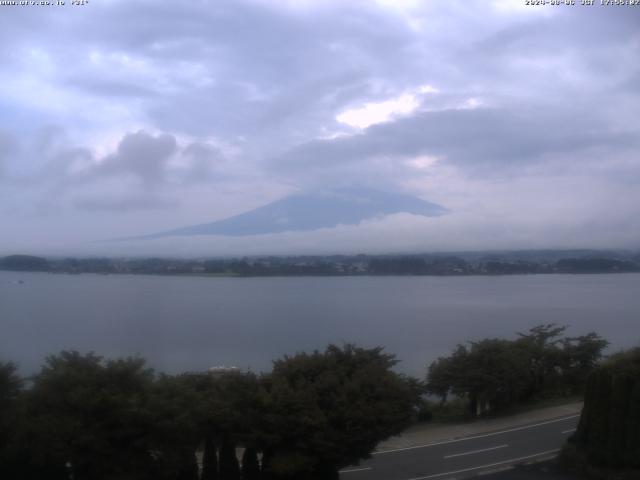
334	265
84	417
496	373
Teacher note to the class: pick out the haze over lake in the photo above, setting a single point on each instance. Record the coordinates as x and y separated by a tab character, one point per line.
192	323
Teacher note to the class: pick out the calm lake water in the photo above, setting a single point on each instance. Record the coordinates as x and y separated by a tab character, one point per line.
191	323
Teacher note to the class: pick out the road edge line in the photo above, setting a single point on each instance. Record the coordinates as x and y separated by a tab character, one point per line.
483	435
512	460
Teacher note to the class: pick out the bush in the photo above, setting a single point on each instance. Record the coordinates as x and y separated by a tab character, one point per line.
608	435
425	414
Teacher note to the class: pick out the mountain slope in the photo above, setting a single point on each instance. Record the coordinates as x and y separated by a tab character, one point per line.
312	211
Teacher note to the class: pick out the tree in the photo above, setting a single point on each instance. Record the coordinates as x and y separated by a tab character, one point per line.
609	429
398	266
89	417
229	466
11	463
10	386
445	373
209	460
542	345
24	263
330	409
176	407
580	356
499	373
250	465
488	373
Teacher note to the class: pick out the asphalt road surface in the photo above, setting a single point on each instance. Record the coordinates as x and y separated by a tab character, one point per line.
469	456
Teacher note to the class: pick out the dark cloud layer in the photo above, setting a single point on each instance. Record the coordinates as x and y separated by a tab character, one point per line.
142	155
484	140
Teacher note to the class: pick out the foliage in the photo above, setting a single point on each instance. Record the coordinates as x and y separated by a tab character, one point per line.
609	428
209	460
10	390
10	386
498	373
229	466
24	263
330	409
93	418
90	417
398	266
250	464
175	433
595	265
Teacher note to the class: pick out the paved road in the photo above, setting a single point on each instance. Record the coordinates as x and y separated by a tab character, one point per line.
548	470
469	456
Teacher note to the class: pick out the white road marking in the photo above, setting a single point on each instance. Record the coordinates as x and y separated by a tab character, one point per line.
496	470
476	451
548	452
476	436
569	431
355	470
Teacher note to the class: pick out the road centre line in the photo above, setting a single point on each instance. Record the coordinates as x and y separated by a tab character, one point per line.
548	452
516	429
571	430
476	451
355	470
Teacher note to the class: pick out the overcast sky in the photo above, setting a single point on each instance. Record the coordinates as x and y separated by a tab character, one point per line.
122	118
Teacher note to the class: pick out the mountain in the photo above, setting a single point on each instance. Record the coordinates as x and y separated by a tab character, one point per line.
312	211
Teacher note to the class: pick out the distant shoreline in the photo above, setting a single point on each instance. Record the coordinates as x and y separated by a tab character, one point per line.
365	275
434	265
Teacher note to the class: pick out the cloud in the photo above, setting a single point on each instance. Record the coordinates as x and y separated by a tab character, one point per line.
142	155
8	146
114	88
480	140
372	113
142	172
200	161
125	203
154	161
207	110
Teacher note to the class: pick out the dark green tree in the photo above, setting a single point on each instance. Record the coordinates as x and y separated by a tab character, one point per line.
89	416
330	409
498	373
609	429
228	411
229	466
266	464
250	464
176	432
446	373
580	356
542	345
10	387
209	460
12	460
489	373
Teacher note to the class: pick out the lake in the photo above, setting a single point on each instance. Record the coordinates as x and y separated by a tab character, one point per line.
192	323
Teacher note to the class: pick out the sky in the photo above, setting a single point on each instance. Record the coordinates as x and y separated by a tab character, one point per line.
123	118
